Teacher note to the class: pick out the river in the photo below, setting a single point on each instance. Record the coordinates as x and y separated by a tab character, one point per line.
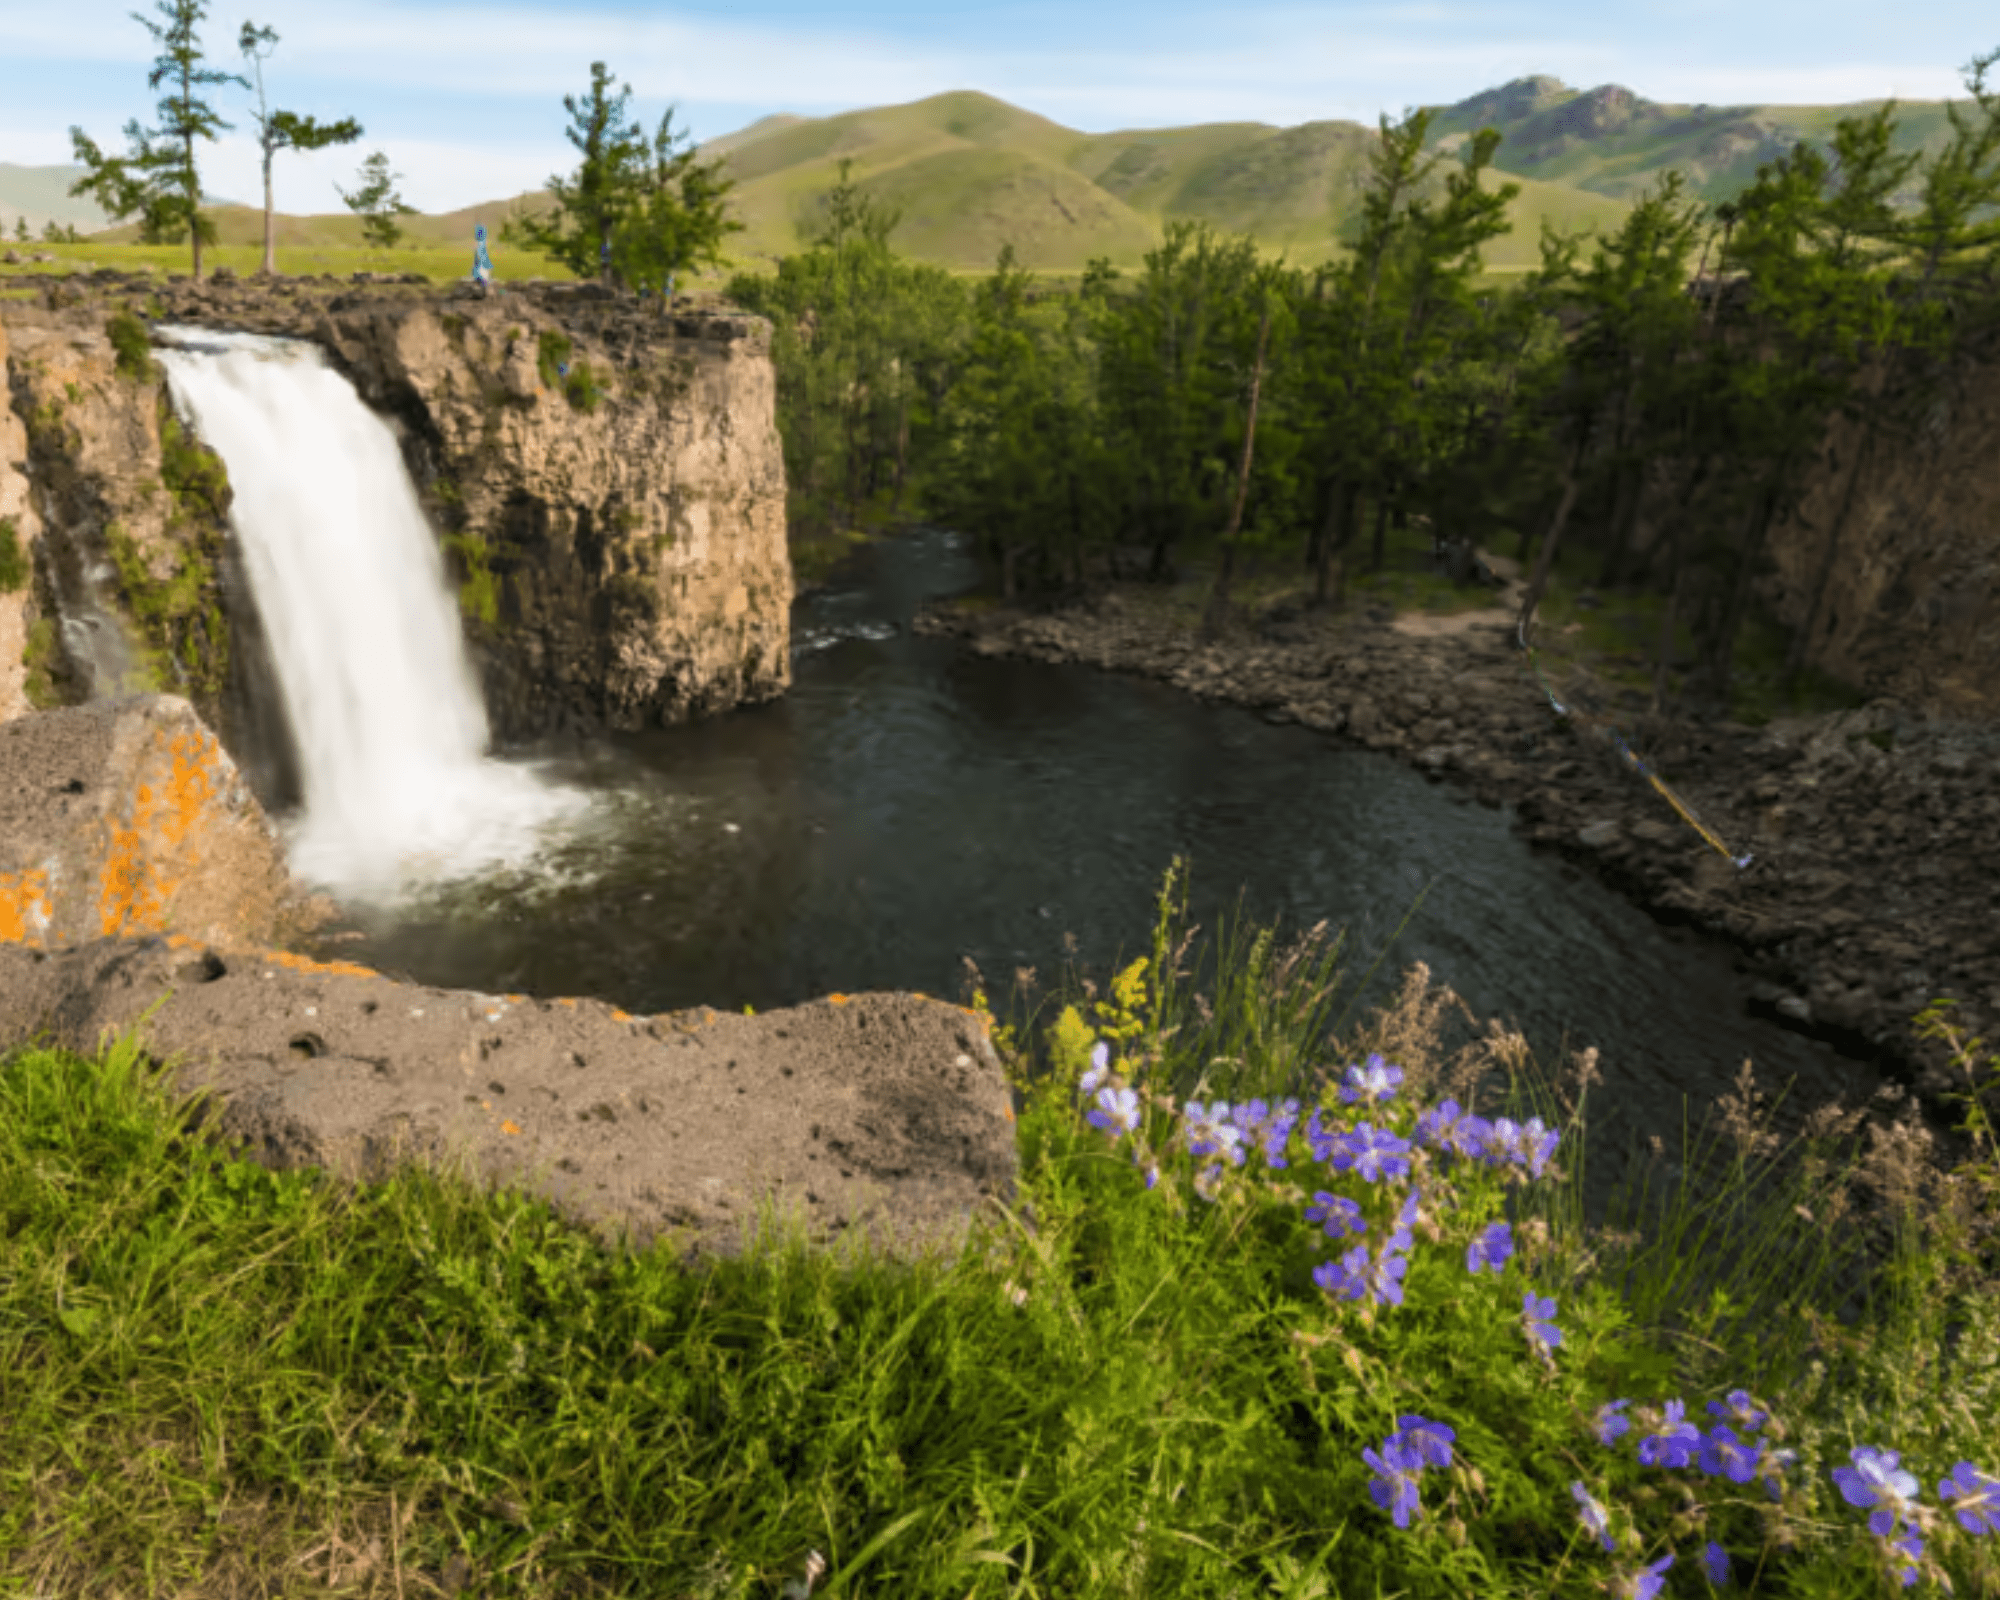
909	805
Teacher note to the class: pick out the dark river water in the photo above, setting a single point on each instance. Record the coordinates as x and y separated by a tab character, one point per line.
908	804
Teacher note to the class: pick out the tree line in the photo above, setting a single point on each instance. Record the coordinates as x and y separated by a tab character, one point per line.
1288	415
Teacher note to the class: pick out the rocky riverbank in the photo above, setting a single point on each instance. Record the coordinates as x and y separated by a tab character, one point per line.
1875	833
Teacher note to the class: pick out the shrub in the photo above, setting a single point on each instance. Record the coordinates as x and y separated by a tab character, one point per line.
133	344
551	356
14	567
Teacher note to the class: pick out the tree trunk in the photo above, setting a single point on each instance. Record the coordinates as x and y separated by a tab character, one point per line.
194	209
270	267
1546	556
1721	663
1333	536
1668	616
1218	600
902	448
1801	646
1570	480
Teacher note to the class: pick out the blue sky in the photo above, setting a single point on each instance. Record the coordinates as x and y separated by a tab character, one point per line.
467	100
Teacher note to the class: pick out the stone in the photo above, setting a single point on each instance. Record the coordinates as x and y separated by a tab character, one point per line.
1598	835
127	817
885	1116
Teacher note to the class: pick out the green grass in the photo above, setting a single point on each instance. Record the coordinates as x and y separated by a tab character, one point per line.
222	1381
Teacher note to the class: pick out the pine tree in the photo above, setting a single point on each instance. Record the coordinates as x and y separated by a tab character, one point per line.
283	130
377	204
157	176
676	219
593	200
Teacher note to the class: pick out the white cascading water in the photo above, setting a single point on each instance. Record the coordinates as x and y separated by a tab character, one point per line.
362	624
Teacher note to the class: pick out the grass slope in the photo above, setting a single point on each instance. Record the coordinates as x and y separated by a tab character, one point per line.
969	173
1613	142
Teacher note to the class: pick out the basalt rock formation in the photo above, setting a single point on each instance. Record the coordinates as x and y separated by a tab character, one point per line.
607	482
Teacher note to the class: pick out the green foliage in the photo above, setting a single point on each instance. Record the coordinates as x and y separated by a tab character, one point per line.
283	130
133	345
581	387
479	588
377	204
676	219
158	177
552	352
15	567
179	616
39	656
601	194
194	474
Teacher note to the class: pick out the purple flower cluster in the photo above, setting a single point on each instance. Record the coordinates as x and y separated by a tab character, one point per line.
1415	1445
1733	1447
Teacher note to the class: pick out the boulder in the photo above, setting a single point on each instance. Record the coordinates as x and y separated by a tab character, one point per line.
127	817
881	1115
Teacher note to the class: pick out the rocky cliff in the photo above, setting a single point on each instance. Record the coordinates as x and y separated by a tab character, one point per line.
1913	594
607	482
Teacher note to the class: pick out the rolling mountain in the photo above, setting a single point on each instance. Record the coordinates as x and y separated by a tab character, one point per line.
969	173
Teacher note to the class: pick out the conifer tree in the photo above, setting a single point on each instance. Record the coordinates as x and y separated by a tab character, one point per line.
157	176
377	203
594	199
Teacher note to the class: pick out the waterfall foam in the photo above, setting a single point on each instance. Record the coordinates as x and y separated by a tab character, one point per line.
363	628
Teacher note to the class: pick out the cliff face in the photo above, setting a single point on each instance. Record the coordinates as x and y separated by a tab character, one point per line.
1912	604
608	486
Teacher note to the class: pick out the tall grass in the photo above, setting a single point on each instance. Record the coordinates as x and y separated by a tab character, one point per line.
1153	1374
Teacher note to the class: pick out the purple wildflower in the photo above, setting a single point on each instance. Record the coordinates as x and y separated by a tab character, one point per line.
1978	1497
1436	1126
1406	1219
1394	1488
1341	1215
1270	1127
1611	1425
1737	1407
1370	1084
1877	1479
1100	1067
1118	1112
1374	1155
1595	1517
1430	1440
1347	1278
1909	1548
1543	1334
1723	1455
1385	1279
1645	1583
1210	1132
1674	1444
1715	1560
1490	1248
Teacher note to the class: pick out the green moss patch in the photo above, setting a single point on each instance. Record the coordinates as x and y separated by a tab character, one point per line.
478	587
134	346
14	567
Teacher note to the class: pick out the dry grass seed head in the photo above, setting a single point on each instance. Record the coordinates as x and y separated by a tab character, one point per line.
1746	1117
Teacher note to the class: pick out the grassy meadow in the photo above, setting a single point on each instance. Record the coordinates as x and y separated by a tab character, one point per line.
1289	1304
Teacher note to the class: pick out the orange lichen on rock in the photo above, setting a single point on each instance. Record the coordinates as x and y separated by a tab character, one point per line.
25	906
343	969
145	860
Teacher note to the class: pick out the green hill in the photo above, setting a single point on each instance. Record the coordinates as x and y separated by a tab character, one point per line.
1613	142
969	173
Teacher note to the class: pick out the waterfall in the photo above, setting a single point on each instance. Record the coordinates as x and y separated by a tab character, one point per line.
363	627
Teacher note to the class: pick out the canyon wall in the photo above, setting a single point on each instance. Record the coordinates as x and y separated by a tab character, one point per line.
607	483
1912	603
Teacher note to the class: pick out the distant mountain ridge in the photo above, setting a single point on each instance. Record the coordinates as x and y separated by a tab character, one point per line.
969	173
